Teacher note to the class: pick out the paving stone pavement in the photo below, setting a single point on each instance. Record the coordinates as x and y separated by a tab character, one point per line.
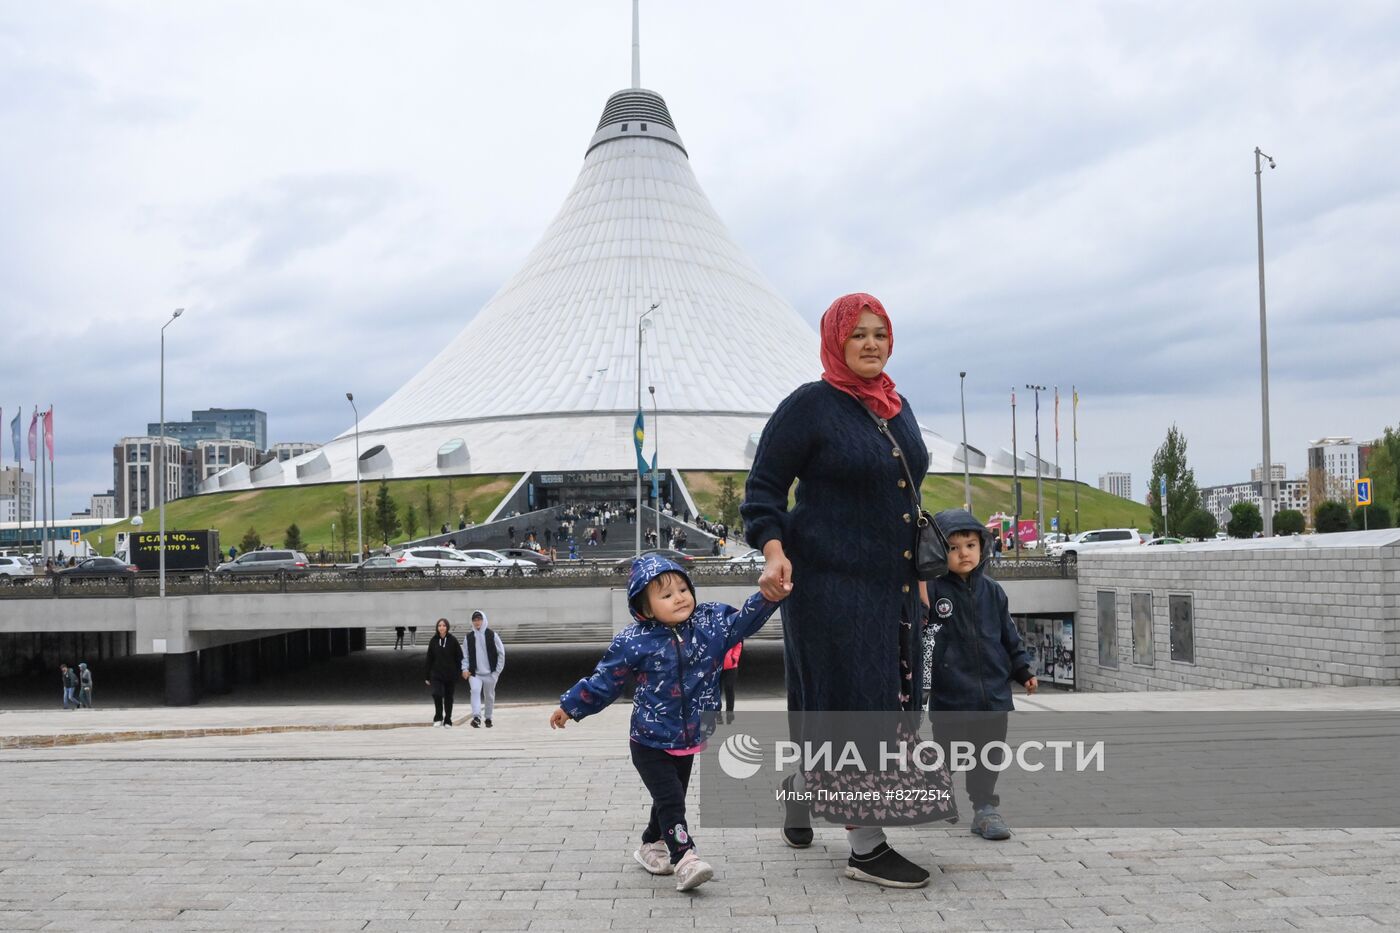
518	828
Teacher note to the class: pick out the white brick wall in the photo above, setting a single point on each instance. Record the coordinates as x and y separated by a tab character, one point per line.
1286	616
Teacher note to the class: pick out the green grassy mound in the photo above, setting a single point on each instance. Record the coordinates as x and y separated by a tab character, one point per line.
1097	509
314	508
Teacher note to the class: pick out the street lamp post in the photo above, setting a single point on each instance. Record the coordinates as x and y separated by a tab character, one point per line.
1266	481
359	502
967	477
656	464
160	481
643	322
1039	486
1015	481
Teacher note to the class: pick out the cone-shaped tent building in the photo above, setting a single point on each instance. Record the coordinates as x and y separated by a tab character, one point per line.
546	376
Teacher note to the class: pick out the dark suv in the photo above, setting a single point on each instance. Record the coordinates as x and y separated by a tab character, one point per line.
269	561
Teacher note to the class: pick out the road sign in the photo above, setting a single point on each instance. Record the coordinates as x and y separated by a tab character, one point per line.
75	536
1054	523
1363	492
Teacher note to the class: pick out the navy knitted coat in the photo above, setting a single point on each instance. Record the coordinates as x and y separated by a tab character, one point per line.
850	538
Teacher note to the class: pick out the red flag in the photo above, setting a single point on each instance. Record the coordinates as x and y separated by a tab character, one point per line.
48	432
34	436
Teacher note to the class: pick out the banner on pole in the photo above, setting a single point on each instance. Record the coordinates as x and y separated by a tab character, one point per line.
639	435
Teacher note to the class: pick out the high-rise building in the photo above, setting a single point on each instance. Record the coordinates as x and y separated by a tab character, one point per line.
287	450
189	433
103	505
18	485
1334	465
1279	472
1118	484
246	424
135	469
1288	494
213	457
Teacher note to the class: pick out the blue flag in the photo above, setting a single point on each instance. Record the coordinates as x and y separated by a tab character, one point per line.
655	483
639	434
14	432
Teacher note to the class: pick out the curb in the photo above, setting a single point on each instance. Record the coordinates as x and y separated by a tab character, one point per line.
141	735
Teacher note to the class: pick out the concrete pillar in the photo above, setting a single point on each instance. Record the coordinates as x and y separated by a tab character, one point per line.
298	650
245	663
214	664
320	644
358	639
340	642
182	679
274	654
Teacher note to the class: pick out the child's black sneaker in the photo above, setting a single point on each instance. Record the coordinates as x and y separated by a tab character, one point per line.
476	722
887	868
988	824
488	724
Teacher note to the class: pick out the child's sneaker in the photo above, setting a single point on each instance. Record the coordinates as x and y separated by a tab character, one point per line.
654	857
988	824
887	868
691	872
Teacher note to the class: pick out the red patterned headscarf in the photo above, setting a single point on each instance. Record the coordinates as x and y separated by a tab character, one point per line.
840	319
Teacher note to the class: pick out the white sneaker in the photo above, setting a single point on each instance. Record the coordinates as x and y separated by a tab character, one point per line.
437	723
654	857
691	872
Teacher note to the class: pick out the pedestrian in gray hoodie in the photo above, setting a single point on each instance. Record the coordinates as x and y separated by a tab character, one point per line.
483	659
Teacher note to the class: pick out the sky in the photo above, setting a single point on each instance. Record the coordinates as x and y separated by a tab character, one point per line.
1052	193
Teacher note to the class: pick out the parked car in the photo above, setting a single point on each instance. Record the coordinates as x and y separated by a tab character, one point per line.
752	558
12	567
541	561
511	566
269	561
1101	539
97	568
384	566
1054	537
442	558
1156	541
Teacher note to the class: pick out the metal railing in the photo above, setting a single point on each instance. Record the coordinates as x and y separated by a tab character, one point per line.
562	574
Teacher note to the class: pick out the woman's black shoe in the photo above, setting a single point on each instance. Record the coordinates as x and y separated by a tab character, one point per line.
797	821
887	868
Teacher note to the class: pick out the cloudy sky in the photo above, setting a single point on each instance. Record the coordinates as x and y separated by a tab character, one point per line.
1057	193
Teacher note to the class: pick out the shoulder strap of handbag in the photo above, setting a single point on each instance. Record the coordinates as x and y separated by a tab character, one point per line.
884	427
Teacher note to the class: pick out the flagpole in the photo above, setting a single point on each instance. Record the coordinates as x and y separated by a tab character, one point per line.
1015	481
1074	417
43	490
53	476
1058	521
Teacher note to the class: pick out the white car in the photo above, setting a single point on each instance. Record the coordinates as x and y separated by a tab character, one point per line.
11	567
751	558
440	557
1102	539
502	562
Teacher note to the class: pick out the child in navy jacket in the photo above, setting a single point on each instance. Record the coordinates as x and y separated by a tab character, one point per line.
676	650
974	652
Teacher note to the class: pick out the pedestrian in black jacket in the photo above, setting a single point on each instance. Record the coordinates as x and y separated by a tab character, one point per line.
974	652
444	668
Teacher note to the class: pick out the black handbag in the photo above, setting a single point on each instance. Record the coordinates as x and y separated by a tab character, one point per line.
930	545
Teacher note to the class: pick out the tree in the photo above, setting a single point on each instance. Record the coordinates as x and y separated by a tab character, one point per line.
1383	468
292	541
728	504
386	514
1199	524
1376	516
1183	497
345	520
1330	517
250	542
450	512
430	507
1289	522
1245	520
410	521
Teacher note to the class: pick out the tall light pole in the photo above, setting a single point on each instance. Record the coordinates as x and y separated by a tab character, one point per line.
967	476
160	483
643	322
1266	481
656	464
359	502
1015	481
1039	485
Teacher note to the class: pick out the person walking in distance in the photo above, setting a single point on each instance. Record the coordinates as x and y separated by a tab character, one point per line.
84	686
729	677
70	686
443	668
484	660
398	637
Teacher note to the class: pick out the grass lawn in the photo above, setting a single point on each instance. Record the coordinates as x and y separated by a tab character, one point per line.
314	508
1097	509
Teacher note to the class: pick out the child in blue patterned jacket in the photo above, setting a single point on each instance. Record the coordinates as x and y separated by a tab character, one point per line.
676	650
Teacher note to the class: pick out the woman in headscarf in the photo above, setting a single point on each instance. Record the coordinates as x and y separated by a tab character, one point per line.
852	624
